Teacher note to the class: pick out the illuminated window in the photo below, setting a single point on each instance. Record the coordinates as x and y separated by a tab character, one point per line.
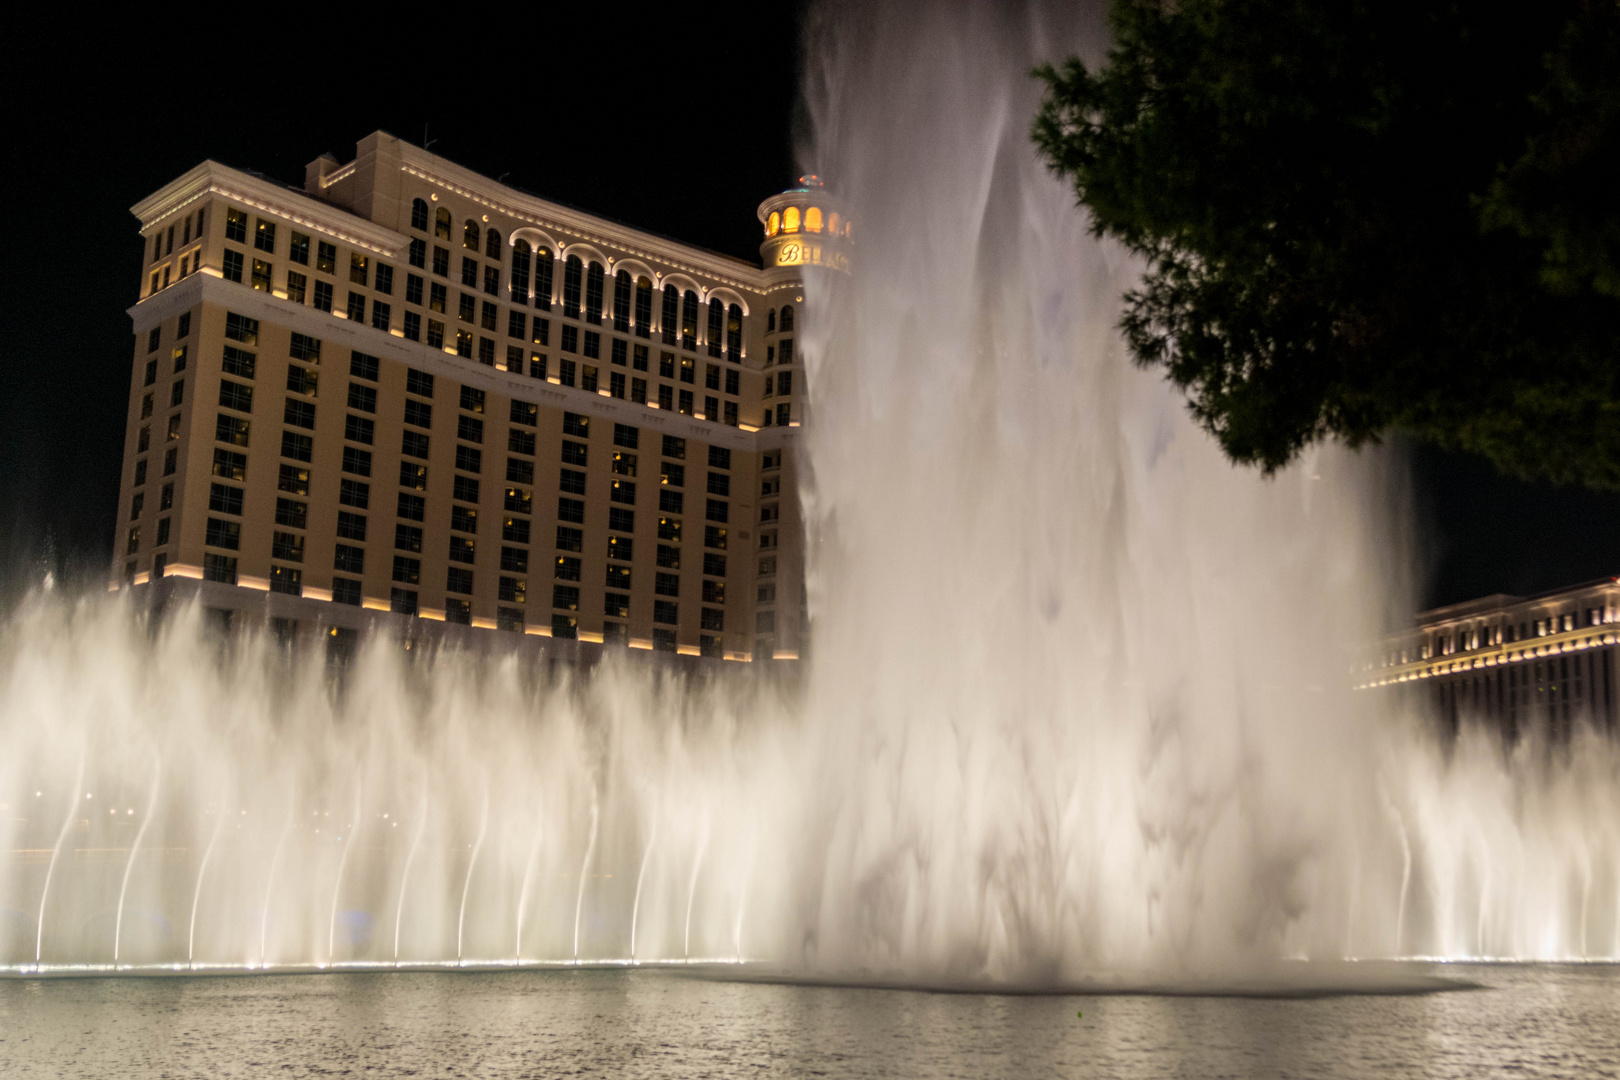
441	223
734	334
790	219
717	326
643	309
832	223
689	319
812	219
773	224
470	234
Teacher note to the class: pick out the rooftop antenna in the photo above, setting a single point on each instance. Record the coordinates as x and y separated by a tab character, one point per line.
426	142
503	176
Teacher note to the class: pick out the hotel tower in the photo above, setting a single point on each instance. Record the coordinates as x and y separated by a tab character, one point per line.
406	397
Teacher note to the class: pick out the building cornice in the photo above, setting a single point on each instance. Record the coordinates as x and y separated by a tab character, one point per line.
553	217
212	178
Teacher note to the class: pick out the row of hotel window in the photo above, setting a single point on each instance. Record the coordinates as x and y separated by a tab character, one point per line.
289	547
1466	639
582	292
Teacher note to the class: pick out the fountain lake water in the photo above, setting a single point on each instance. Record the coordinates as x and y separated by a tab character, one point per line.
1078	705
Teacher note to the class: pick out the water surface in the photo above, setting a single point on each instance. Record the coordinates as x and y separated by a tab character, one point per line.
1528	1021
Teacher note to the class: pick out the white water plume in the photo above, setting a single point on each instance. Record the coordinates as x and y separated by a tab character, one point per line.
1077	704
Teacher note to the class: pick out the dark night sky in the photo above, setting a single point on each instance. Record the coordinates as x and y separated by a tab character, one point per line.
680	126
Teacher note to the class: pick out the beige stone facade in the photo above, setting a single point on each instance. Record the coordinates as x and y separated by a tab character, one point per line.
409	395
1538	663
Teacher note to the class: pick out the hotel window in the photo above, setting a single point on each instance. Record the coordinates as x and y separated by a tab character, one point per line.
408	538
511	591
671	314
593	294
466	308
140	469
492	280
235	225
542	331
295	446
298	251
715	537
231	267
593	344
543	266
221	568
385	279
162	536
359	429
264	235
621	302
686	402
470	235
435	334
381	315
587	379
459	580
573	271
357	307
463	550
143	441
488	314
357	268
619	352
671	474
230	429
689	321
519	277
711	378
413	289
441	262
469	459
567	568
356	461
438	297
351	526
638	391
419	215
787	318
235	396
323	296
223	534
418	254
519	471
346	591
666	396
465	488
464	344
299	413
261	275
782	415
292	479
469	272
225	499
671	502
287	579
287	546
291	513
616	384
412	507
441	223
717	326
644	295
734	334
470	428
492	244
733	381
296	284
325	257
174	427
517	325
407	571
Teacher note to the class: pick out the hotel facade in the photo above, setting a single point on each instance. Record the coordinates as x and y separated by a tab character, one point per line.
1536	664
409	397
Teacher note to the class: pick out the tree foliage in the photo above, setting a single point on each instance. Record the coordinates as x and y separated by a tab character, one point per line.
1359	217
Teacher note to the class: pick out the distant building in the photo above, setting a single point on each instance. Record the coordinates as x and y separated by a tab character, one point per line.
409	395
1523	663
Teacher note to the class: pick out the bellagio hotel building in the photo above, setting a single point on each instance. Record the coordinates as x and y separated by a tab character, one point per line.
408	397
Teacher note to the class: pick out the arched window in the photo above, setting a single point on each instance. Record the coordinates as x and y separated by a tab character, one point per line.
492	245
441	223
672	312
419	215
773	224
770	321
593	294
812	219
717	326
643	307
520	272
790	219
469	235
689	318
543	263
621	302
734	333
832	223
787	317
573	272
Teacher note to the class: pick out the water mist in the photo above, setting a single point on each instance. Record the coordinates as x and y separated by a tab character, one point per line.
1078	703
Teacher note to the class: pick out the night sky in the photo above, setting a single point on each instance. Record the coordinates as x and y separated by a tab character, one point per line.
680	126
